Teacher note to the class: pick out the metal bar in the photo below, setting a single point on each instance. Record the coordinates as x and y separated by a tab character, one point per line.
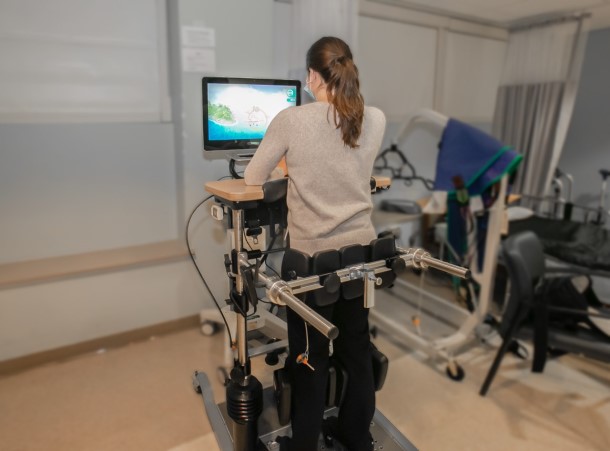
306	288
422	259
280	292
300	282
217	421
325	327
305	284
238	243
393	433
449	268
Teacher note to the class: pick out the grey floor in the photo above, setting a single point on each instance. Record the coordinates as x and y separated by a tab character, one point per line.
139	397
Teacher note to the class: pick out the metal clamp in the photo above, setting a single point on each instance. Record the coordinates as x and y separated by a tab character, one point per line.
370	280
369	276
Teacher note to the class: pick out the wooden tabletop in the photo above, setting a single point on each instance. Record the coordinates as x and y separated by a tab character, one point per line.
236	190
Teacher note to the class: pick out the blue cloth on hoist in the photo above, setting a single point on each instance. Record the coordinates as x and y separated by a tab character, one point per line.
481	161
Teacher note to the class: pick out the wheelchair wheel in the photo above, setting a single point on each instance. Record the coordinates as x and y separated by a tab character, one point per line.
454	371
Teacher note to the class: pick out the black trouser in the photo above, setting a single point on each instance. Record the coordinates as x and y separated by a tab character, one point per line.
352	350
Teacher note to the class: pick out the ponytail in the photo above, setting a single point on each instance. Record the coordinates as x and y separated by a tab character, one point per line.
332	58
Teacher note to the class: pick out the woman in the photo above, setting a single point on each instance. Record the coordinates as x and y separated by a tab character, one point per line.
329	148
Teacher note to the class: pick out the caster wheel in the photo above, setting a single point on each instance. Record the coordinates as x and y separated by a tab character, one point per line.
272	359
518	350
223	376
209	328
196	385
455	372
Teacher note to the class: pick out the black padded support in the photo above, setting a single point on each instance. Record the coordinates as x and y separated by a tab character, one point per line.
380	367
384	248
283	394
352	255
340	384
338	377
295	264
331	387
298	264
274	190
325	262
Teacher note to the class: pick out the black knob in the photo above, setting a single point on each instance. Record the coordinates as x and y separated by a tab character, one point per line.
399	265
332	283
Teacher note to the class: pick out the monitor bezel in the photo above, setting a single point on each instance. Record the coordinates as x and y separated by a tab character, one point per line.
248	145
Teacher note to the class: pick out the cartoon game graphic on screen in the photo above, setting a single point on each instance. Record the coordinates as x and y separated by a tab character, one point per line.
237	112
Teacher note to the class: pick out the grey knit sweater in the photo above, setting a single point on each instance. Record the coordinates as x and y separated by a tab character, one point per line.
329	196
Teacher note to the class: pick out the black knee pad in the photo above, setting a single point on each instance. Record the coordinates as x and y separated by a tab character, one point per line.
337	384
282	391
380	367
298	264
384	249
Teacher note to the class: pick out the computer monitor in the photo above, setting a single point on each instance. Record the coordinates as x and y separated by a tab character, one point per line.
237	111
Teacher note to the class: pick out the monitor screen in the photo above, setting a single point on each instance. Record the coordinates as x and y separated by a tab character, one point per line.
237	111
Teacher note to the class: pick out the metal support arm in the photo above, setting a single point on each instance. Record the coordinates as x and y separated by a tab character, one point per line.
283	293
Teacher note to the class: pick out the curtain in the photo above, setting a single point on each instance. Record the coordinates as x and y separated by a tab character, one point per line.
536	97
313	19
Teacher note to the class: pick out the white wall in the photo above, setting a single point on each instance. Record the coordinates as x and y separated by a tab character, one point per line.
51	315
74	188
397	66
410	61
117	186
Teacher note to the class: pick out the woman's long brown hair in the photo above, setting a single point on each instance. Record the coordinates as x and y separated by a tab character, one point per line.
332	58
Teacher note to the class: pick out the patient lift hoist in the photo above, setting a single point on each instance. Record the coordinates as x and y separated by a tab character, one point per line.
467	322
244	422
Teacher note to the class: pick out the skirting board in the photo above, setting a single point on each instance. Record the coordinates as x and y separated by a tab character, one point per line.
111	341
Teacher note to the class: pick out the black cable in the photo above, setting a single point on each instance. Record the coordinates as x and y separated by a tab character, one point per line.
271	268
269	250
188	245
397	172
232	170
262	260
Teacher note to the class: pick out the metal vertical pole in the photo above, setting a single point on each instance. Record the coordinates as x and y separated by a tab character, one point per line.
238	243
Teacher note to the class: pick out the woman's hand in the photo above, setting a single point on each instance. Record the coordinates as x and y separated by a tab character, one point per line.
280	171
282	165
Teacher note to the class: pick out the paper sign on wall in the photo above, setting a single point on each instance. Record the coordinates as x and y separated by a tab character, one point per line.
198	36
198	59
198	49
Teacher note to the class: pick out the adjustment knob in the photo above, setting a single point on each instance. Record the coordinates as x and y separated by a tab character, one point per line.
399	265
332	283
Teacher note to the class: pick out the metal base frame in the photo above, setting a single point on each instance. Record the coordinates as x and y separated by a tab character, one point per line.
386	436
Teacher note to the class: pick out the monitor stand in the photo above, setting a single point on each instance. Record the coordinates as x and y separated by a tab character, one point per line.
244	156
241	159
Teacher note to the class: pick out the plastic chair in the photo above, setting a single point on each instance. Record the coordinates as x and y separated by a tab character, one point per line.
523	256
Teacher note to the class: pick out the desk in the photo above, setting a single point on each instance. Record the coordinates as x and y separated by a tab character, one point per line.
237	191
